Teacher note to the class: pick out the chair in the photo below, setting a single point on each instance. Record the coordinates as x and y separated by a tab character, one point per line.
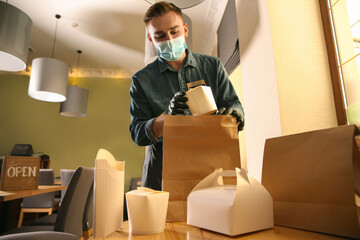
44	203
66	175
135	183
70	214
45	235
88	215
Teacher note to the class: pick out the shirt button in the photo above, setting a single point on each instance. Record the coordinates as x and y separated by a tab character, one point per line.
179	74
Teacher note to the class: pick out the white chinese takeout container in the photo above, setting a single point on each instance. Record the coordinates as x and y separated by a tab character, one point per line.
230	209
201	100
146	210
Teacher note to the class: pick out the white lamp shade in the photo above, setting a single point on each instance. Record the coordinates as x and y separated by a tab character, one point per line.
15	29
48	80
76	102
180	3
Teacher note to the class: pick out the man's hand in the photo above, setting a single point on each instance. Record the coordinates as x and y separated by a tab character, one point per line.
178	104
158	125
238	115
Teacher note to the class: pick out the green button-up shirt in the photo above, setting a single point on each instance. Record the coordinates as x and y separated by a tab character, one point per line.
154	86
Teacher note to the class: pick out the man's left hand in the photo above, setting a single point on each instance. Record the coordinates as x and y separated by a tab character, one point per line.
238	115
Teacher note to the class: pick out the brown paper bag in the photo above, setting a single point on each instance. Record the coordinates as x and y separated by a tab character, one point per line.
194	146
314	179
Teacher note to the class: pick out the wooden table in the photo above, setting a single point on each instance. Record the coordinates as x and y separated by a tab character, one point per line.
15	194
180	230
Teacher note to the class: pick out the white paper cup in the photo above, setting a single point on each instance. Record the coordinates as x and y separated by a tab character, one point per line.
147	210
201	100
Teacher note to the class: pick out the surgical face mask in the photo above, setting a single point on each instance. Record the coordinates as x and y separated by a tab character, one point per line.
171	50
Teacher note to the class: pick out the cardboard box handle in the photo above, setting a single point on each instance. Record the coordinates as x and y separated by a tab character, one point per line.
241	177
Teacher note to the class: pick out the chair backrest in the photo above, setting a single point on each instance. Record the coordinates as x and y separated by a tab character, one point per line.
66	175
88	212
46	200
43	235
135	183
70	214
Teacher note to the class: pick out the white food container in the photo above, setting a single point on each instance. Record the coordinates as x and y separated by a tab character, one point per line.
146	210
230	209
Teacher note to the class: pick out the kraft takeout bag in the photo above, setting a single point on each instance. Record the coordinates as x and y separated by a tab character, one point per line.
193	147
314	180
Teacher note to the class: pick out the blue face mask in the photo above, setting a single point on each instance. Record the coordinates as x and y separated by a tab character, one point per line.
171	50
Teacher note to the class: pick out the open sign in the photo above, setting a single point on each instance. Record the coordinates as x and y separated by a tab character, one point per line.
24	171
20	173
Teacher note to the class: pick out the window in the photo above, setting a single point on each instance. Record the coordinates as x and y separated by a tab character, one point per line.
341	21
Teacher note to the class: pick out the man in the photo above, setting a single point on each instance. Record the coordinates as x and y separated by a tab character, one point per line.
159	88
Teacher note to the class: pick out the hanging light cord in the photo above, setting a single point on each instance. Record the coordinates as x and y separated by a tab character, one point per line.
77	70
53	50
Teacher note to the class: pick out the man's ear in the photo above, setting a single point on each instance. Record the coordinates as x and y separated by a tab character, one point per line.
186	30
150	39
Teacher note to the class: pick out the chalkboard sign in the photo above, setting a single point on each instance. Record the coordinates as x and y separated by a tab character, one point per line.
20	173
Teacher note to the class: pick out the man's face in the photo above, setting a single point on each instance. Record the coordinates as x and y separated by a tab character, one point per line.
166	27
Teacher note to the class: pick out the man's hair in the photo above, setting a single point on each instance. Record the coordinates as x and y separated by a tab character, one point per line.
159	9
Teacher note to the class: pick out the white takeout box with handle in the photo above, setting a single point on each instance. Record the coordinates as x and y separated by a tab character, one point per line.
230	209
146	210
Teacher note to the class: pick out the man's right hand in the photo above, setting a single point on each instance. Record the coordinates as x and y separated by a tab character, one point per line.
178	104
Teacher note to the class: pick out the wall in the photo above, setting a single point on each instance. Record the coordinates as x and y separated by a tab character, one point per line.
284	72
70	142
301	65
258	80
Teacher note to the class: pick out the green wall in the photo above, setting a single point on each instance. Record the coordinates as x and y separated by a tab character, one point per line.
70	142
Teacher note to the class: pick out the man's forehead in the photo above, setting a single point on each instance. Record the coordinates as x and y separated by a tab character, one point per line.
166	22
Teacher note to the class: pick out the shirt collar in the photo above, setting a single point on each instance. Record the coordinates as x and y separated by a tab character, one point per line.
189	61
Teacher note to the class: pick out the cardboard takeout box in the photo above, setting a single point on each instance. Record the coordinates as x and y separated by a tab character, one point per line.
201	100
230	209
147	210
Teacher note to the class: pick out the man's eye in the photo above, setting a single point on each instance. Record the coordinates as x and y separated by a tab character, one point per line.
174	32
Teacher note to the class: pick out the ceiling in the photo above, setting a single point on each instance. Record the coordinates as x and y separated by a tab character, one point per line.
110	33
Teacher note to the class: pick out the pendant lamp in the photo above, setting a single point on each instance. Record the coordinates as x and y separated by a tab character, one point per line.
76	100
15	29
183	4
49	76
